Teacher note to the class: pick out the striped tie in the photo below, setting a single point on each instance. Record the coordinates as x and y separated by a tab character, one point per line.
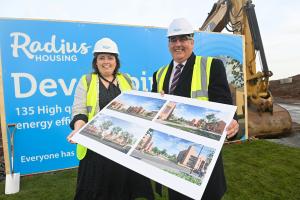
176	78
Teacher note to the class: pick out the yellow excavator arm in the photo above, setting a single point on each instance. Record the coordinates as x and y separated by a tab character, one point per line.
238	17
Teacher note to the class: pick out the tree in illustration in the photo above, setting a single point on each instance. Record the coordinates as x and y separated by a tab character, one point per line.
116	130
105	126
234	71
211	118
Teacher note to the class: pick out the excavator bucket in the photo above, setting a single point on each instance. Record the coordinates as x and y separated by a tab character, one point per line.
266	124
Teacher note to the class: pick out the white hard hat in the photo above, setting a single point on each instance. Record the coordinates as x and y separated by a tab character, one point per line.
180	26
106	45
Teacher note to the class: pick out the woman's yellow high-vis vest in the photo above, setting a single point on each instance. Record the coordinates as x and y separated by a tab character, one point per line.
90	85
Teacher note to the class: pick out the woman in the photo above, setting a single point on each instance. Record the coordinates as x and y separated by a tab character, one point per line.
98	177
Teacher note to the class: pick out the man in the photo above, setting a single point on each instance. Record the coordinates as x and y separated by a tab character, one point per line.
198	77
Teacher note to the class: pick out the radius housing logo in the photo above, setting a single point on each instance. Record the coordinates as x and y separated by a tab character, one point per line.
54	50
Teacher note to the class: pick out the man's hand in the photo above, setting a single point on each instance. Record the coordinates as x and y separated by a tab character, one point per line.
232	129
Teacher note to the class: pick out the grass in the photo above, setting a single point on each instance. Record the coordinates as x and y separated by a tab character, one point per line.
58	185
254	170
262	170
186	177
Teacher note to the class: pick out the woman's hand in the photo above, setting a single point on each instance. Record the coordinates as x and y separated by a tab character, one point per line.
77	126
70	136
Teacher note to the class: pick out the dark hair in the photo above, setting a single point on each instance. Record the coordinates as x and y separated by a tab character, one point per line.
95	68
190	36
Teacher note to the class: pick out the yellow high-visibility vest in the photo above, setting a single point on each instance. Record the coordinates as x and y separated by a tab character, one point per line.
200	79
125	84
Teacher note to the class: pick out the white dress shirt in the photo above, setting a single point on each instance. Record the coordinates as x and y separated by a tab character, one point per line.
173	71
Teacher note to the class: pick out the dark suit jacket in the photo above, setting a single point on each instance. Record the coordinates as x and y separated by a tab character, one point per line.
218	91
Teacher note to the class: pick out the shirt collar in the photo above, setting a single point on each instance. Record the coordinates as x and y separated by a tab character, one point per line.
176	63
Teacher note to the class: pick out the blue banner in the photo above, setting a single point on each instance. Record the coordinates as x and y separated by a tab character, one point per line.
42	62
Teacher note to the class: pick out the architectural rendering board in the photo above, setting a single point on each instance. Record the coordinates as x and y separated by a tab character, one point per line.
172	140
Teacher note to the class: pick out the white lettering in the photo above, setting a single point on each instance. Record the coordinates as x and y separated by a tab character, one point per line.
35	46
63	121
22	41
32	125
48	84
55	58
67	154
52	110
33	84
47	87
39	158
23	46
67	91
146	82
68	109
135	82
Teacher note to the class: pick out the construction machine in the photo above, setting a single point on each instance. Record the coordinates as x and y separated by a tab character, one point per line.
265	118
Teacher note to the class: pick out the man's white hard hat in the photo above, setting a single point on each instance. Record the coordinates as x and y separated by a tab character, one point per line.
180	26
106	45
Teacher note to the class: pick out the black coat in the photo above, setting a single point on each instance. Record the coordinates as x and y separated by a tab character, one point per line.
218	91
100	178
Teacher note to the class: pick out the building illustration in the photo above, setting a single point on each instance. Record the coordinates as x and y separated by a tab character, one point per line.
133	110
166	113
208	123
146	143
116	105
191	159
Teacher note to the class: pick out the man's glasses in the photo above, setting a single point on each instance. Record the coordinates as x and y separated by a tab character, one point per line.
180	38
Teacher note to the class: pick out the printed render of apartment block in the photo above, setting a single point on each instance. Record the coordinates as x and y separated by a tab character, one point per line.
217	127
146	143
166	113
136	110
191	159
117	105
199	123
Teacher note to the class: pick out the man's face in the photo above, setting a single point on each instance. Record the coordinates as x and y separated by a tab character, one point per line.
181	47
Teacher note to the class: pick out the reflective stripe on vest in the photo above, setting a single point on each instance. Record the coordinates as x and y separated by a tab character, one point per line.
200	79
160	77
125	84
91	96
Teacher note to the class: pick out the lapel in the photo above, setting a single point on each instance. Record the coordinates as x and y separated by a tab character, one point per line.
187	70
185	80
167	78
